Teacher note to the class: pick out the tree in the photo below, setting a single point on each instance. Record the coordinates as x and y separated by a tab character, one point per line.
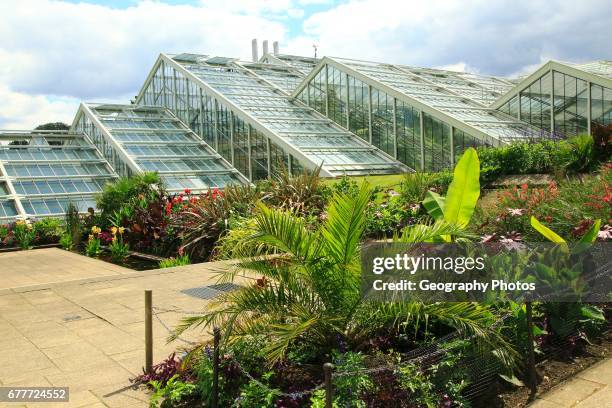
53	126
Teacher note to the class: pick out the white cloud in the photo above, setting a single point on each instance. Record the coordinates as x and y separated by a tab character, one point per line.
498	37
21	111
87	51
54	53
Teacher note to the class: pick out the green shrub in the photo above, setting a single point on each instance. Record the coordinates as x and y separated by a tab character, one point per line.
66	241
576	154
252	394
304	194
49	229
4	232
174	393
180	260
121	192
24	234
234	244
415	186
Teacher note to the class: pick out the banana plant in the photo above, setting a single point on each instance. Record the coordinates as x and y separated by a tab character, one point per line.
588	238
457	207
463	193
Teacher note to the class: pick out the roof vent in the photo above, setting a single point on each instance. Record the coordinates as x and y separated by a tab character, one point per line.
275	47
265	47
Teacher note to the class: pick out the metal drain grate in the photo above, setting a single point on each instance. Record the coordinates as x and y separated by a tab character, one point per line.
210	291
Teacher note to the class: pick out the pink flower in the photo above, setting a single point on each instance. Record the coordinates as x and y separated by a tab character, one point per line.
516	211
605	233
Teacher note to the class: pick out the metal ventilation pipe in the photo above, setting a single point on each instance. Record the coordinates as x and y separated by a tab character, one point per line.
275	47
254	50
265	47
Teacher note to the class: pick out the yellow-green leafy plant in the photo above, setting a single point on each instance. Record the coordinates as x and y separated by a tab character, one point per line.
93	247
453	212
118	248
24	234
180	260
66	241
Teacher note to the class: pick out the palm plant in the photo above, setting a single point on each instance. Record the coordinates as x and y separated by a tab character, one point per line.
311	293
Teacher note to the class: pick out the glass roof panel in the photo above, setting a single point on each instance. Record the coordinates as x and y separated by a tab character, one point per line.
461	96
49	169
177	154
296	124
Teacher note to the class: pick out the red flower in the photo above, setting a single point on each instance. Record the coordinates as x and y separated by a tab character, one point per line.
168	208
187	191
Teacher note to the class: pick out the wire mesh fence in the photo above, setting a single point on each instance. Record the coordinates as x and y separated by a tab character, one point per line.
481	369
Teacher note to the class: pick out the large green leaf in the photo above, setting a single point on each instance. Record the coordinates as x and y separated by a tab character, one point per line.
547	232
434	204
591	234
464	190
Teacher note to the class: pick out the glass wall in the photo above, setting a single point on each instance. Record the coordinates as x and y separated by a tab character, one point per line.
535	102
105	147
462	141
601	105
436	136
395	130
317	92
358	109
336	96
570	105
382	122
241	146
408	135
218	127
511	107
259	155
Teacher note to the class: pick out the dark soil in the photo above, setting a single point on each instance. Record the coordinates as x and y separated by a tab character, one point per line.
553	371
131	262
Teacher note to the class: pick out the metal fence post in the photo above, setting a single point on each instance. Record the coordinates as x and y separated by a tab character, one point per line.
215	390
533	380
148	331
329	390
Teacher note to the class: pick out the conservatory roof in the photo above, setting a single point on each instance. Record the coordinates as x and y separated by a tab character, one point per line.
153	139
459	99
258	94
42	171
596	72
301	64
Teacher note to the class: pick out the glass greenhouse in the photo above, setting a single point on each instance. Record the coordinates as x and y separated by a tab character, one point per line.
41	172
138	139
205	121
564	99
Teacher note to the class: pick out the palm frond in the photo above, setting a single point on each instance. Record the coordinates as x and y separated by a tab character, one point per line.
344	226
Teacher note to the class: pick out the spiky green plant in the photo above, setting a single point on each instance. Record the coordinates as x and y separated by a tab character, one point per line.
311	293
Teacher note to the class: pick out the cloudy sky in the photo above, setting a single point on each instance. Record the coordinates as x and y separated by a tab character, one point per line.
54	54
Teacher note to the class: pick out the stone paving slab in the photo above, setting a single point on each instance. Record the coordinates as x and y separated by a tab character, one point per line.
85	330
591	388
50	265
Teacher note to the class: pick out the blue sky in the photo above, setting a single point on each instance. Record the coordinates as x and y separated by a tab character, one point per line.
57	53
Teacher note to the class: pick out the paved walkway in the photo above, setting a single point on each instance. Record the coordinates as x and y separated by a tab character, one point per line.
87	334
51	265
591	388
